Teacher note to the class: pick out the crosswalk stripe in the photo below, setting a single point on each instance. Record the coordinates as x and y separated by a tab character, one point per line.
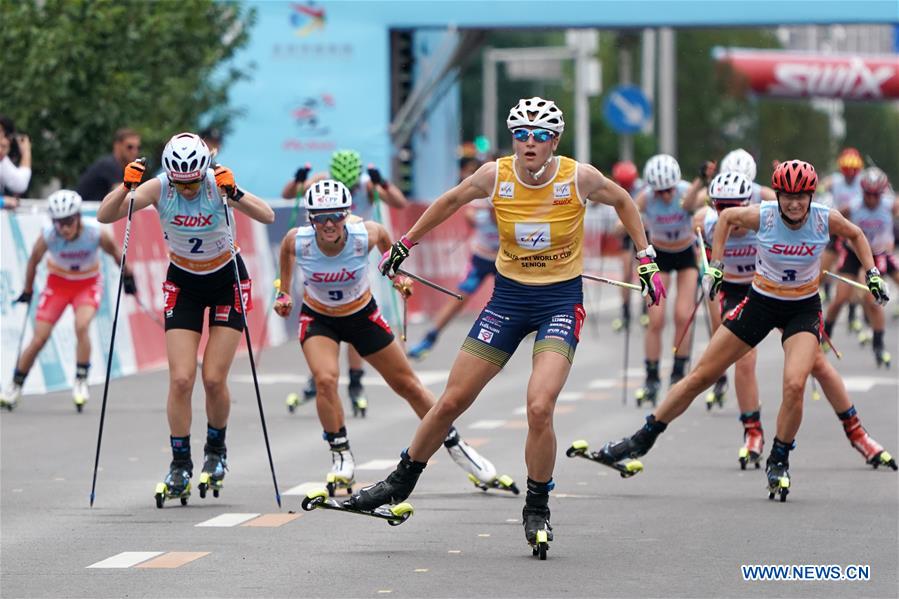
227	520
126	559
173	559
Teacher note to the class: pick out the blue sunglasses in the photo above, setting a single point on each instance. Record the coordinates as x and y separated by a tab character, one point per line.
540	135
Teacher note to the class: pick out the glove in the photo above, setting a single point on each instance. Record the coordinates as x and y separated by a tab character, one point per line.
375	175
128	284
393	258
283	304
302	173
707	171
224	179
712	279
403	285
651	281
134	172
24	298
877	286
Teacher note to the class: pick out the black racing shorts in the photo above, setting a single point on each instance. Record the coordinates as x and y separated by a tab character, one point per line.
757	314
366	330
833	244
187	295
849	265
732	294
671	261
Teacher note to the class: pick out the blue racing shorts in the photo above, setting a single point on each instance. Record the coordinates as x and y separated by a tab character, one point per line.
555	312
478	270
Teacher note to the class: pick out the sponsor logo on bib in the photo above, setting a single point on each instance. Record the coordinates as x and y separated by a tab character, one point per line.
506	189
561	190
485	335
532	236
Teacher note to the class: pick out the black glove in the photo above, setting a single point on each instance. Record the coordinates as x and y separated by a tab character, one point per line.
375	175
393	258
24	298
877	286
302	173
128	284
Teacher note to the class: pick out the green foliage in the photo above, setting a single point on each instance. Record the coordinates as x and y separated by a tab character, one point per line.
874	130
74	71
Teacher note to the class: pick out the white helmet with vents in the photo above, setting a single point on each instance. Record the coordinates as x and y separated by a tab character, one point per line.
739	161
536	112
730	188
186	158
329	195
661	172
63	203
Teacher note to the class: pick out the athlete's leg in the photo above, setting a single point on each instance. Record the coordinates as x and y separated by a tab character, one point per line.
84	315
746	383
653	343
217	360
683	307
831	383
391	363
800	351
42	330
323	357
181	349
550	371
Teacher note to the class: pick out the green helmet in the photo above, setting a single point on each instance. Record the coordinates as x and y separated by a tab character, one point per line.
346	167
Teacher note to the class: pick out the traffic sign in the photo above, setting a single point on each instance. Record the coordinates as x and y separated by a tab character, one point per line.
626	109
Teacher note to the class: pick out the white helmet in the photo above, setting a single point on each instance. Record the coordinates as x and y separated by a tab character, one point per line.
661	172
730	188
329	195
63	203
186	158
545	114
739	161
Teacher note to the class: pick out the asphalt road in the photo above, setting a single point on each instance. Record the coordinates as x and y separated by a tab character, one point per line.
682	528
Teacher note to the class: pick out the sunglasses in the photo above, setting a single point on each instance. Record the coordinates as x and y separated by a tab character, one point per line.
320	218
68	221
669	190
540	135
188	186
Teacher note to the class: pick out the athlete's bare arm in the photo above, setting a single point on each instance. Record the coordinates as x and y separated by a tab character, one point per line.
108	245
851	233
692	199
478	185
114	206
378	237
287	260
390	195
768	194
699	217
641	199
37	254
595	187
254	207
747	218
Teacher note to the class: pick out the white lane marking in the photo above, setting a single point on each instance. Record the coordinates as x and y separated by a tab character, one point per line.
126	559
521	411
377	464
227	520
427	377
863	384
487	424
303	488
603	384
571	396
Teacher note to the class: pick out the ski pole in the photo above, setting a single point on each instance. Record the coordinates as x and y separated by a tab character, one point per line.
689	322
627	343
836	352
115	321
428	283
22	332
855	284
611	282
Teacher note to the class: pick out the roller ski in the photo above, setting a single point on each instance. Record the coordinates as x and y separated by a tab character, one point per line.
358	401
294	400
873	452
649	392
215	463
882	357
9	399
864	337
778	474
481	471
176	484
718	394
420	350
537	530
753	441
342	474
580	449
620	324
80	394
395	515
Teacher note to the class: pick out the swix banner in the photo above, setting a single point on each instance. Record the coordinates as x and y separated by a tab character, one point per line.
797	75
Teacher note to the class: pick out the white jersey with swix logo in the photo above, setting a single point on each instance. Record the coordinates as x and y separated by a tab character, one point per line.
739	250
670	226
788	263
846	196
75	259
876	223
195	230
335	285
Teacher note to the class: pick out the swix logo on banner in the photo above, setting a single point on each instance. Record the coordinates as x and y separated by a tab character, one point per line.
831	76
793	250
333	277
200	220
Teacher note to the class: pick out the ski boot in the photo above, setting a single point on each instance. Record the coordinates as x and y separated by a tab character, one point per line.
481	471
392	490
358	400
537	530
778	474
630	448
580	449
649	392
753	442
9	399
871	450
80	394
343	472
718	393
215	463
882	357
421	349
176	483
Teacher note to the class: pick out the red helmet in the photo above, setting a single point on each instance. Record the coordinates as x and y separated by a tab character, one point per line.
874	180
850	162
624	173
794	176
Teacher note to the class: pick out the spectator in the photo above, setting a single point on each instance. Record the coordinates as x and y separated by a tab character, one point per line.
213	138
14	179
106	173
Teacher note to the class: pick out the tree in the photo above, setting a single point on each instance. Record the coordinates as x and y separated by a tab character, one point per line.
74	71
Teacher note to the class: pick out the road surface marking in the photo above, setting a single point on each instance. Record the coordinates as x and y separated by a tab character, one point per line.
126	559
487	424
227	520
272	520
173	559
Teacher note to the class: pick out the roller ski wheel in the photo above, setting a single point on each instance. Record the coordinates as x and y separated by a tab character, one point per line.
865	337
215	463
335	483
80	394
778	481
358	402
175	486
648	393
292	401
883	458
501	483
748	457
855	325
540	546
620	324
717	395
883	358
537	530
394	515
580	449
